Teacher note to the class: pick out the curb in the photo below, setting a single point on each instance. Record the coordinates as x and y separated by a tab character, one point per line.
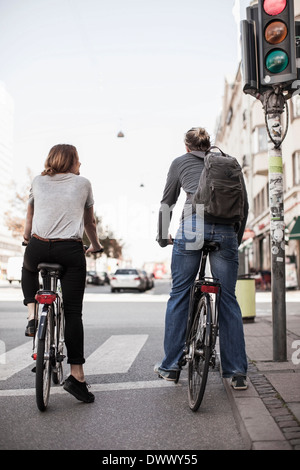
263	418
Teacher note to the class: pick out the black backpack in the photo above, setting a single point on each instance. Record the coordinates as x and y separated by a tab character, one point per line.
221	187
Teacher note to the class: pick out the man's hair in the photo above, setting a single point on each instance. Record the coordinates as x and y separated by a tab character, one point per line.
197	138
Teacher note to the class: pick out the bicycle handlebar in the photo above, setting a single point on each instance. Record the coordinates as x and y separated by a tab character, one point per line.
98	251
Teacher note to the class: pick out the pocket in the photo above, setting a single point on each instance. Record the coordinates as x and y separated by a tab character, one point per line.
226	199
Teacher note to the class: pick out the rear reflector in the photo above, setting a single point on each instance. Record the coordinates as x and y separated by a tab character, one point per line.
210	289
45	298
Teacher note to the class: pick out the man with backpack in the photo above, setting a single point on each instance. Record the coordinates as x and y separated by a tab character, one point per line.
216	209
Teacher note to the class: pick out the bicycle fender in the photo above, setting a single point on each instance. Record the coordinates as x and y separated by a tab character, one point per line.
207	339
43	323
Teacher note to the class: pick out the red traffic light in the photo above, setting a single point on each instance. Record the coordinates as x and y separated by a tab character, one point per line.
274	7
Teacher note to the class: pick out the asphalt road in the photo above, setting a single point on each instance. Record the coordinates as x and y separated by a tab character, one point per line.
133	409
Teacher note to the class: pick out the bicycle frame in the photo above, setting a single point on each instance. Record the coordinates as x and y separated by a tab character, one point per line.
204	285
50	294
202	330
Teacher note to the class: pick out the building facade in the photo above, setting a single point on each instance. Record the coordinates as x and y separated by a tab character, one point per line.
8	245
241	132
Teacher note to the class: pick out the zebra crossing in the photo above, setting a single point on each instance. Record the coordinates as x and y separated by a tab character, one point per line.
115	355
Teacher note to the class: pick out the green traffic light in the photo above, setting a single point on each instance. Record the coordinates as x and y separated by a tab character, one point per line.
277	61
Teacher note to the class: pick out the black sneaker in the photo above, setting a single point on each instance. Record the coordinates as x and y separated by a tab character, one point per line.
171	375
31	328
78	389
239	382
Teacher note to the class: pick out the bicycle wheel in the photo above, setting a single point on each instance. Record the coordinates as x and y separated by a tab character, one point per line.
44	359
199	344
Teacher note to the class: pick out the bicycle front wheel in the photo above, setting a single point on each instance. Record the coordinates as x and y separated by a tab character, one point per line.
44	361
199	354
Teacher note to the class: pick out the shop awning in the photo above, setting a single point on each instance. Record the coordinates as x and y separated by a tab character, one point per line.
295	232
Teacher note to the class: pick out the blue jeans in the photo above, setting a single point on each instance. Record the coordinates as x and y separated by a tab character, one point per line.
224	266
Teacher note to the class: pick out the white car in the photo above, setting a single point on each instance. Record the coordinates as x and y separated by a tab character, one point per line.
128	279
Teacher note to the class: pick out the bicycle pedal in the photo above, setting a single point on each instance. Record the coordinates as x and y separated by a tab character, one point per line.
60	358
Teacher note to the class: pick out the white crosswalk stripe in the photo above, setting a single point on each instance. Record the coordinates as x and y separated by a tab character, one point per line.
110	387
15	360
116	355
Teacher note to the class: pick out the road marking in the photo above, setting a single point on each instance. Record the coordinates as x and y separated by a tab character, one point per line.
125	297
113	387
115	355
13	296
15	360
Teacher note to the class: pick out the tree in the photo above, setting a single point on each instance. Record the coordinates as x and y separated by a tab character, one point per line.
14	218
112	247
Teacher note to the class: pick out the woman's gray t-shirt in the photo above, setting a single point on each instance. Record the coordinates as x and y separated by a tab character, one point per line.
59	202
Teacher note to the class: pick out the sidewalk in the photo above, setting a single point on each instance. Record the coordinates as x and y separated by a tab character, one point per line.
268	413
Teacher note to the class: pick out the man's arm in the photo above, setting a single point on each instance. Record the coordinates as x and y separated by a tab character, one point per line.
170	196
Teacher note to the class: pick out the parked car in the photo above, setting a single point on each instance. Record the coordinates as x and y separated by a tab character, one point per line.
149	280
105	277
92	277
14	269
128	278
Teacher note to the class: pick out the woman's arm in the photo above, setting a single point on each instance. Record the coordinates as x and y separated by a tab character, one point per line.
91	230
28	223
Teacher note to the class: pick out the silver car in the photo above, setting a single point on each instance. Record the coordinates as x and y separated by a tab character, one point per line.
128	278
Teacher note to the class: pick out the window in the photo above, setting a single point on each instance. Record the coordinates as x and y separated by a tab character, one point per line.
296	106
260	140
261	201
229	116
296	168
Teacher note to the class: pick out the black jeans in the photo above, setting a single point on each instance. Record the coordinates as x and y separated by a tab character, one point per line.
69	254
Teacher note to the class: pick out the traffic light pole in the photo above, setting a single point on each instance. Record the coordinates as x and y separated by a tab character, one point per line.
274	103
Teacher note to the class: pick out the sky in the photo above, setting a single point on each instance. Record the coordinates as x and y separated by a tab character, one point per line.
79	71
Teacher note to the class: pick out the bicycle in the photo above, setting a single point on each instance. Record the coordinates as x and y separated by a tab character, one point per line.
48	342
202	330
49	339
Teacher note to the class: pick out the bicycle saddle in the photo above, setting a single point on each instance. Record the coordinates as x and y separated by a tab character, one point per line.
211	246
50	266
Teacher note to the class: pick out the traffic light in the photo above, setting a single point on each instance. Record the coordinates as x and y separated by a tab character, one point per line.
276	42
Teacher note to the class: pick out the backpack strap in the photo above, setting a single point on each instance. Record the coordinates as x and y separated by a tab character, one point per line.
215	147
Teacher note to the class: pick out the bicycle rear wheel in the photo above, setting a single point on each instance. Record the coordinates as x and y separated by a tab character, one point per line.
44	360
199	353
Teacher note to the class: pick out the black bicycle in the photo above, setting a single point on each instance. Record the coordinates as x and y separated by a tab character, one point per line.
48	343
202	330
